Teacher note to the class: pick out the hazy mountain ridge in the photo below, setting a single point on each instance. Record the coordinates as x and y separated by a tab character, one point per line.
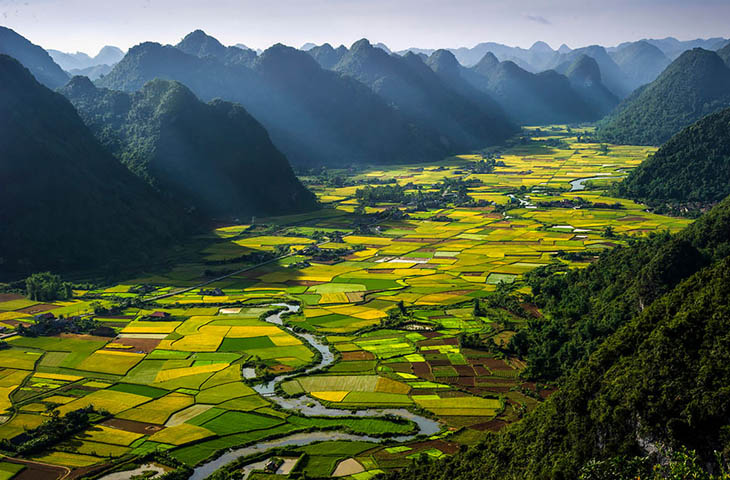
213	157
694	85
313	115
33	57
530	98
463	119
108	55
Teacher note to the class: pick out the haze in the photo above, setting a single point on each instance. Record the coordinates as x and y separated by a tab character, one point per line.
87	25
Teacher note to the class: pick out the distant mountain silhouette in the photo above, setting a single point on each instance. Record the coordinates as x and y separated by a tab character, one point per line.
462	120
641	61
108	55
530	98
584	75
202	45
326	56
93	73
611	74
33	57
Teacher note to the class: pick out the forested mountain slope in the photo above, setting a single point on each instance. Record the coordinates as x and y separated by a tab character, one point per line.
65	202
688	172
694	85
213	157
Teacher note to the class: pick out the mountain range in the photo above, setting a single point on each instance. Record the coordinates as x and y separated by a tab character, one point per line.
108	55
313	115
694	85
208	157
33	57
66	202
460	114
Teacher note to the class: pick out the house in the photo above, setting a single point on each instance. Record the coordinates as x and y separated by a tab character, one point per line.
158	315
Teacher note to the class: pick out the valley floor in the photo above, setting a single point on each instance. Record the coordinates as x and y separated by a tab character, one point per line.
392	295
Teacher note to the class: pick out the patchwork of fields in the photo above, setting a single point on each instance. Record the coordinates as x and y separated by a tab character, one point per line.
393	298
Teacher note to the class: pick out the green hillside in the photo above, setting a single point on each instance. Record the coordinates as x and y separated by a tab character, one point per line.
694	85
213	157
688	172
66	202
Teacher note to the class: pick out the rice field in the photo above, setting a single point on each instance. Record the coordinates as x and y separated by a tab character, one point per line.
180	382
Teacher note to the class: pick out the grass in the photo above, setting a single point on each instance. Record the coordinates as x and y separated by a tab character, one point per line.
237	422
159	410
181	434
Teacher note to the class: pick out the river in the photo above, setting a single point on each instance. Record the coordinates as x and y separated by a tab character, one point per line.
308	406
579	184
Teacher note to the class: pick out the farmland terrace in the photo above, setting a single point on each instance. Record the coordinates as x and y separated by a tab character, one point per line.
447	251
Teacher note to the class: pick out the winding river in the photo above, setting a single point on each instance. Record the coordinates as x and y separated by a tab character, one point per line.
308	406
579	184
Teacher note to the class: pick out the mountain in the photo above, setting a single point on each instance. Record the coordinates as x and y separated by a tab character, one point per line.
693	167
94	73
463	121
641	61
530	99
655	317
213	157
108	55
584	75
66	203
611	74
69	61
200	44
694	85
724	53
33	57
673	48
326	56
313	115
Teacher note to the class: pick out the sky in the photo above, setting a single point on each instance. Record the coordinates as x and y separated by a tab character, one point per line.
87	25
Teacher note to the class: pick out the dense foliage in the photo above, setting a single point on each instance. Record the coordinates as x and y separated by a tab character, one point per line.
694	85
47	287
65	202
213	157
52	431
660	379
689	171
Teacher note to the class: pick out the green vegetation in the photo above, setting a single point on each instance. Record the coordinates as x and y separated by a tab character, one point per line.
47	287
672	341
210	157
689	172
86	209
694	85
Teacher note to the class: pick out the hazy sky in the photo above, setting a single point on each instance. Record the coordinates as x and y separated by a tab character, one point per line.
87	25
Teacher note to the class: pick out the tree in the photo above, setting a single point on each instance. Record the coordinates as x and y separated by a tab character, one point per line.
47	287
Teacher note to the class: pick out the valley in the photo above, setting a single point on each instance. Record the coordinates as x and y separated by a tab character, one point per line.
403	294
